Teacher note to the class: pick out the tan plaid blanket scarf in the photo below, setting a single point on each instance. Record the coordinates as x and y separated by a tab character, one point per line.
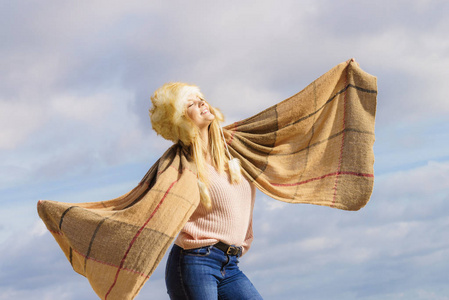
315	147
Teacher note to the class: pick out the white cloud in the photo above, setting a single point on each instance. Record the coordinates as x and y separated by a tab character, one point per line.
38	229
430	178
90	109
17	121
75	86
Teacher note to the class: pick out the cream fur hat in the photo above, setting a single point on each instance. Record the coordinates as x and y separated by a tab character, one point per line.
168	112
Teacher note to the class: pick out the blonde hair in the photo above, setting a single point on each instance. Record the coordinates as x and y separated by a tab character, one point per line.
169	119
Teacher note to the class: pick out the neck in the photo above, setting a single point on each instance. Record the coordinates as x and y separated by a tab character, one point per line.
204	134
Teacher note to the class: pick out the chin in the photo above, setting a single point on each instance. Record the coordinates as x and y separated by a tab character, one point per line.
211	117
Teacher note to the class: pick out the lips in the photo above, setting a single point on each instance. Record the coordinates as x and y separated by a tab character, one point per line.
205	111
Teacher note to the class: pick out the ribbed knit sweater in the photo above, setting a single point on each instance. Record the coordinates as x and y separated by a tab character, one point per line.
229	220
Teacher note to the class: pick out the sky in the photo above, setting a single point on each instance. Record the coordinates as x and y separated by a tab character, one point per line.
75	85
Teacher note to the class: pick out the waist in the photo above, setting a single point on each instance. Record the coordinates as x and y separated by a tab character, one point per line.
229	249
224	248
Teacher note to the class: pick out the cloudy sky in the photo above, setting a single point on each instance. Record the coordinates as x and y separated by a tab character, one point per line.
75	81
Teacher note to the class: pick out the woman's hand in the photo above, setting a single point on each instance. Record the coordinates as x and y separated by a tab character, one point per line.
352	60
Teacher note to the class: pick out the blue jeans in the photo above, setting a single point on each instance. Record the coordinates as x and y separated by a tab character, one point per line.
206	273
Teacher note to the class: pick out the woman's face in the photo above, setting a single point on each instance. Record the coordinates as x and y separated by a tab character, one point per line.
198	111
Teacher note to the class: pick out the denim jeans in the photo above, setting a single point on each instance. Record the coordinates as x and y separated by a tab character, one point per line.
206	273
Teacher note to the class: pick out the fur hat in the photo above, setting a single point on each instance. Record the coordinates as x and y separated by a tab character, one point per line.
168	112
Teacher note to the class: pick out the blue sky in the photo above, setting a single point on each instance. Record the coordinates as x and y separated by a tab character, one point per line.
75	83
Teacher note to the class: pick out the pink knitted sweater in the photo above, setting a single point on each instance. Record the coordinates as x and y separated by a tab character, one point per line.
229	220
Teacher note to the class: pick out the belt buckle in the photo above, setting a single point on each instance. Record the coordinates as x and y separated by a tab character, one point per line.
233	250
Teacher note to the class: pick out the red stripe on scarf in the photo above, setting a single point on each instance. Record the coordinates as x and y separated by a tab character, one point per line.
322	177
135	238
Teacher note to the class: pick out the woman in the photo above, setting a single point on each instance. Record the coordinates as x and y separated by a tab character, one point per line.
203	263
315	147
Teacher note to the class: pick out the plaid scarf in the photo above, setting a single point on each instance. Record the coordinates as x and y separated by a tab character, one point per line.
315	147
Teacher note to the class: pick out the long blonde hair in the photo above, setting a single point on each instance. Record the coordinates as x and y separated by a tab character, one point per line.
169	119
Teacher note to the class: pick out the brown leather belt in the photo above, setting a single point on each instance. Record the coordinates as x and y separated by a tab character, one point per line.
230	250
